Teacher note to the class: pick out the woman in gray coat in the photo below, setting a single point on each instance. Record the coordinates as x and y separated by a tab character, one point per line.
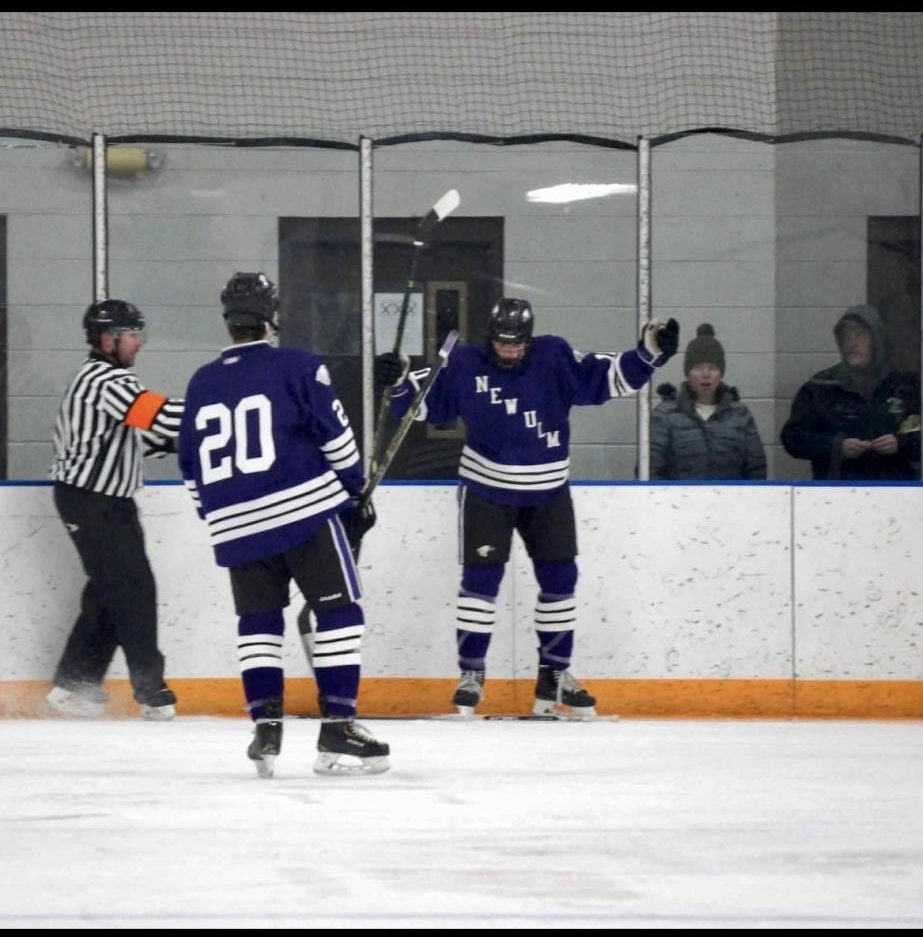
704	431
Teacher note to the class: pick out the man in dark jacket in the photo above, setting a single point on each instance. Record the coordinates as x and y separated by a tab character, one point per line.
859	419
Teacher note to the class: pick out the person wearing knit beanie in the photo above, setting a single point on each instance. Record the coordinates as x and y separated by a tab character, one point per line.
703	430
704	349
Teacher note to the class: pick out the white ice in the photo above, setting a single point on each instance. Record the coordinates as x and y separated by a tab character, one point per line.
651	824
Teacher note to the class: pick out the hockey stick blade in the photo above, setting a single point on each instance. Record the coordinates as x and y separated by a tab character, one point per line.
441	210
407	419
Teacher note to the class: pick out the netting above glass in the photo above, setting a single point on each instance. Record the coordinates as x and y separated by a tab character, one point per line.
333	77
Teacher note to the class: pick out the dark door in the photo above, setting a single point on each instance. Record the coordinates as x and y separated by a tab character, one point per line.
894	285
4	357
459	276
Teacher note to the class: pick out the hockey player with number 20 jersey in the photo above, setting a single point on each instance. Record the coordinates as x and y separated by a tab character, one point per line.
268	454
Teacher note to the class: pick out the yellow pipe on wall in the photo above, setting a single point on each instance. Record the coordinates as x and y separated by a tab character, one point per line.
122	159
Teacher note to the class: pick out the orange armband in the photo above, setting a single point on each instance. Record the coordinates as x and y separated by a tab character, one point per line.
143	411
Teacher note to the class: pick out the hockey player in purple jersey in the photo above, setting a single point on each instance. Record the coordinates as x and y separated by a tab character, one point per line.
268	454
514	395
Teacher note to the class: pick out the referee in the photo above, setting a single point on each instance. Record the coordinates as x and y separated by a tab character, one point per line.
106	422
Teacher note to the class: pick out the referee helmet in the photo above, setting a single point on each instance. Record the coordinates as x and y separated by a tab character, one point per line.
111	315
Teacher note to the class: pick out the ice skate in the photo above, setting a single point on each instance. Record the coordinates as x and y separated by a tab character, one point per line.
161	707
345	747
558	695
469	692
86	701
267	738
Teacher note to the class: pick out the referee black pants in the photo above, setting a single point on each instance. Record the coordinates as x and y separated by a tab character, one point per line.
119	602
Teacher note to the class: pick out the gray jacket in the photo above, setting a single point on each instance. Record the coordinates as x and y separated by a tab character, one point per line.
683	445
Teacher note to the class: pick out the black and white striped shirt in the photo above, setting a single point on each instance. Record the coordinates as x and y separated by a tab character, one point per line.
106	422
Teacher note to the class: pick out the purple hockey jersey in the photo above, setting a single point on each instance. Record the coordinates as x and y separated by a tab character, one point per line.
266	449
517	447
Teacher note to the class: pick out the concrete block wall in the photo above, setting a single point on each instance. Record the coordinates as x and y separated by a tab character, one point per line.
767	243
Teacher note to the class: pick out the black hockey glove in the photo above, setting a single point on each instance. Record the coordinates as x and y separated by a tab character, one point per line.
358	520
659	342
391	369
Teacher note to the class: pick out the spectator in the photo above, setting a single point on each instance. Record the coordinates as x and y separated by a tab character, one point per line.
704	431
859	419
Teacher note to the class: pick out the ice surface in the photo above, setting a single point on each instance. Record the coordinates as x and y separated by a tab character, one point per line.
650	824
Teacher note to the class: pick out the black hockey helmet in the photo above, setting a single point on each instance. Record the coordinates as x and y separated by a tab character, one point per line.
510	322
111	315
250	299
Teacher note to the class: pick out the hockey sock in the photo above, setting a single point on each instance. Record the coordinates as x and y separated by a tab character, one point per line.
338	659
556	613
475	613
259	647
555	617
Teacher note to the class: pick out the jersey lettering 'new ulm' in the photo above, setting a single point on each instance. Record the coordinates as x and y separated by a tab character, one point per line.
517	449
266	450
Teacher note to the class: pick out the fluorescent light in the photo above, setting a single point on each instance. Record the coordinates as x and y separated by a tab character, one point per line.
578	191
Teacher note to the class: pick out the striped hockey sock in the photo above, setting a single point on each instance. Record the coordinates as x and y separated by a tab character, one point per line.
259	649
555	619
475	618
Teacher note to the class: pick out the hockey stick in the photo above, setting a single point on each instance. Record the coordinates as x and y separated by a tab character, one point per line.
477	717
442	209
407	419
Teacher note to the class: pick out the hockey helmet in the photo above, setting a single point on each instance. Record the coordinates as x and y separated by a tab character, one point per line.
510	322
250	299
111	315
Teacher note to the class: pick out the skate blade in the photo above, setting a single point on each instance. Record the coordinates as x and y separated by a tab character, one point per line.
157	713
332	764
544	709
465	713
265	766
57	712
75	709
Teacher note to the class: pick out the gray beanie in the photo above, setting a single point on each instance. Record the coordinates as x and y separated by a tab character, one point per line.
704	349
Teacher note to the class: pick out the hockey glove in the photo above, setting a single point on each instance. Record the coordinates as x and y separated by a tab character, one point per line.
659	342
358	520
391	368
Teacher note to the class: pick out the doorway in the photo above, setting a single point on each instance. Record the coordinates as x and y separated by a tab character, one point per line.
458	278
894	285
4	357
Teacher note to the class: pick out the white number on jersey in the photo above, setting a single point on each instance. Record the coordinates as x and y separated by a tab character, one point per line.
232	430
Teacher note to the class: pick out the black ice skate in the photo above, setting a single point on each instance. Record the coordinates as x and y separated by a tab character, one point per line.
346	747
159	706
469	692
560	696
267	738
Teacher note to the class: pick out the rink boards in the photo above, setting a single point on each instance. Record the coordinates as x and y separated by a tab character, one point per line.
749	600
